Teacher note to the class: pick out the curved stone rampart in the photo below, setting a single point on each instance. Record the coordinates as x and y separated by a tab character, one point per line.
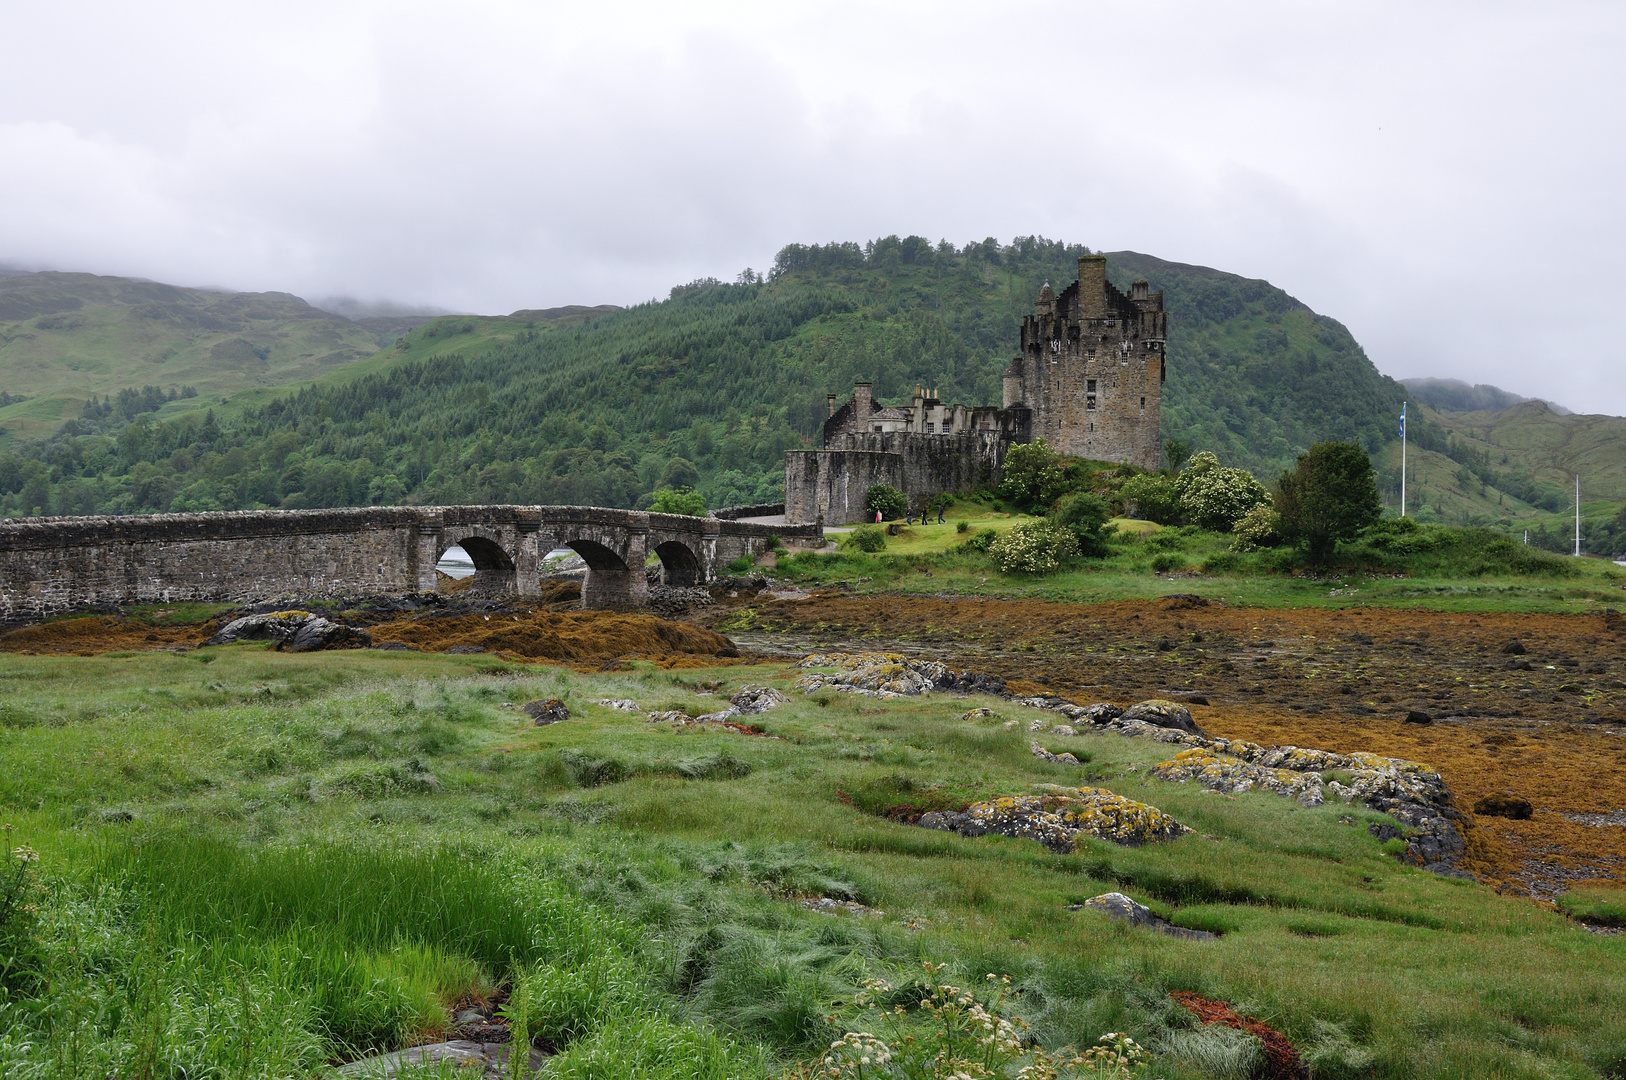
53	565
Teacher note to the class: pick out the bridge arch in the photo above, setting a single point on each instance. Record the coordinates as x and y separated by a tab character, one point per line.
615	566
494	569
680	564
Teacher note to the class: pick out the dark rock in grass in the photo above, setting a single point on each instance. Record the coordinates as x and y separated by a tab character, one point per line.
320	633
1164	714
296	631
395	646
1514	648
546	711
1195	699
1505	805
1519	665
465	650
1116	905
1417	716
945	820
1102	712
464	1055
1383	831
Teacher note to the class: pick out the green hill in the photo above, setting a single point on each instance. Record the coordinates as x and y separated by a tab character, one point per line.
66	337
596	405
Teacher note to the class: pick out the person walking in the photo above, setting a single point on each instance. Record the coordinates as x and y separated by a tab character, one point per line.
940	513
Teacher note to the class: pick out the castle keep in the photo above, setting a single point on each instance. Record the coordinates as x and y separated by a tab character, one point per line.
1089	382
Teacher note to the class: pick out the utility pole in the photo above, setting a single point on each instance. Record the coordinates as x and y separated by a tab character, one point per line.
1402	459
1577	515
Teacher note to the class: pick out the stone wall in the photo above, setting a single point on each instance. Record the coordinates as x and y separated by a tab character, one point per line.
54	565
829	485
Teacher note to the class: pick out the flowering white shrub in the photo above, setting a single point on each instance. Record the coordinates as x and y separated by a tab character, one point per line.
1033	547
1259	527
948	1034
1216	497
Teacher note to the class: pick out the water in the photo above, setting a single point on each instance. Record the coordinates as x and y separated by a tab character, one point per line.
456	564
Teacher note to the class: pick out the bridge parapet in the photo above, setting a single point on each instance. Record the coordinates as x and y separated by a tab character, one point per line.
53	565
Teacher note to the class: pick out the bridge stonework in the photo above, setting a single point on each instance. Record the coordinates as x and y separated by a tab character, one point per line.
53	565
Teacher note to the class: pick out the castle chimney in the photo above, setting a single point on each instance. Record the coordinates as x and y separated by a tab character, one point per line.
863	400
830	401
1139	290
1092	286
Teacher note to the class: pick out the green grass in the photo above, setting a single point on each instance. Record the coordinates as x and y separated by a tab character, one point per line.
220	893
1441	568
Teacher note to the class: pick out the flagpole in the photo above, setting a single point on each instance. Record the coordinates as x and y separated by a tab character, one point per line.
1402	459
1577	515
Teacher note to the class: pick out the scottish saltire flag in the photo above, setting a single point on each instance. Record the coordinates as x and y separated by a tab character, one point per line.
1402	419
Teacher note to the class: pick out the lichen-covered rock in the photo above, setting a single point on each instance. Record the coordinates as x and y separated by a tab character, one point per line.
751	700
1063	729
1164	714
1102	712
546	711
1219	773
890	675
979	714
1058	815
618	704
1045	755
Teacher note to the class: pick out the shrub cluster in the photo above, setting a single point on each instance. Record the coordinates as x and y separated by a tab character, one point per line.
1033	547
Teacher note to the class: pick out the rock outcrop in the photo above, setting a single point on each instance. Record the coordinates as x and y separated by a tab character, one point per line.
295	631
1058	816
890	675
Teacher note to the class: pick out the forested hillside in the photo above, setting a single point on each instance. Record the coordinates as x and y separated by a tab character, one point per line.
65	337
709	386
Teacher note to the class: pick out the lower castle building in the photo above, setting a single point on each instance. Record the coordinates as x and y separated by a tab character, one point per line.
1089	382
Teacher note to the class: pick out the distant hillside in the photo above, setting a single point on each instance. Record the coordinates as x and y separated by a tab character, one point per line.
710	386
65	337
1454	395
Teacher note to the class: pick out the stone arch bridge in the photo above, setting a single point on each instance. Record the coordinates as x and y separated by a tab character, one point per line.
54	565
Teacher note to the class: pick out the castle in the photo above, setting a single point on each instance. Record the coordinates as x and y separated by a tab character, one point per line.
1089	382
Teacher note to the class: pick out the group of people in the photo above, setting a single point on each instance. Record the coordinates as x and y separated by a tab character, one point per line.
909	516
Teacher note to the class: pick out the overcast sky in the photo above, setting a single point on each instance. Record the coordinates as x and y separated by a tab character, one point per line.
1446	179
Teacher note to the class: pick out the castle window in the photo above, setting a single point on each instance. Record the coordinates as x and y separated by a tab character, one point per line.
1143	403
931	428
1089	386
1092	354
1089	402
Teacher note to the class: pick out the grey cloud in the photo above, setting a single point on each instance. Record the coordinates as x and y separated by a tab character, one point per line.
1440	178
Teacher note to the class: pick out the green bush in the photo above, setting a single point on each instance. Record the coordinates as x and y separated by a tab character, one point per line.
1153	497
1215	497
1083	515
740	565
1224	562
1167	561
982	541
681	500
1033	547
1331	495
962	526
1034	475
871	538
886	500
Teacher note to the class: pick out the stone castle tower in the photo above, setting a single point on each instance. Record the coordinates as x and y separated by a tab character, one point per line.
1092	368
1089	382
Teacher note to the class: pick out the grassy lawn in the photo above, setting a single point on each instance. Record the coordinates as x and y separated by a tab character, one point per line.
262	864
1145	560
